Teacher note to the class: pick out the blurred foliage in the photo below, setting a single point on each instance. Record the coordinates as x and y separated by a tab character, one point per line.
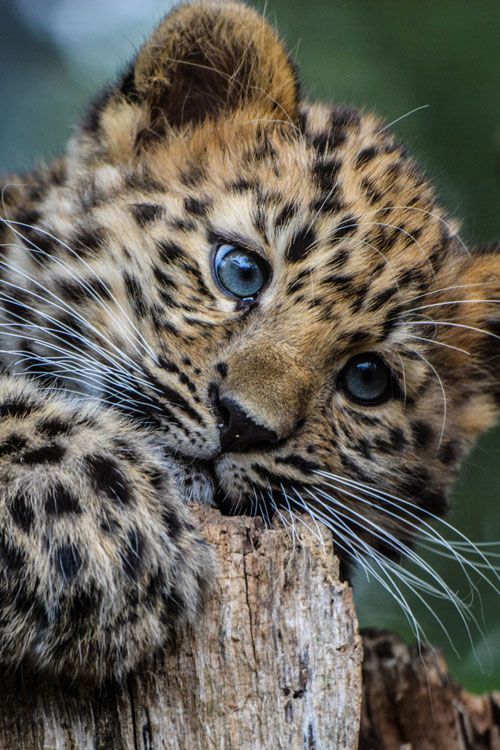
389	56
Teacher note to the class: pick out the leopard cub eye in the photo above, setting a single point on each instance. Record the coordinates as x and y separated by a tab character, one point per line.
366	379
240	272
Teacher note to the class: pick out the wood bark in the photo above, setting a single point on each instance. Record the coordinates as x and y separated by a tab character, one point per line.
274	663
411	703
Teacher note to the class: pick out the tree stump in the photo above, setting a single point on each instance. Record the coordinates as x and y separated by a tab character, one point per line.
410	701
274	663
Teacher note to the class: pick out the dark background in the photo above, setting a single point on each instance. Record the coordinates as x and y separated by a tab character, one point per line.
391	56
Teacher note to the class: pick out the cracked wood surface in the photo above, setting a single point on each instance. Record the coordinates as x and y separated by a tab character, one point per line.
274	663
410	702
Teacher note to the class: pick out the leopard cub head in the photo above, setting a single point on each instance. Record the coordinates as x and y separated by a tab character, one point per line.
267	281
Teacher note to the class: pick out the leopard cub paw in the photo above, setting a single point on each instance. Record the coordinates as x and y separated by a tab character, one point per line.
99	559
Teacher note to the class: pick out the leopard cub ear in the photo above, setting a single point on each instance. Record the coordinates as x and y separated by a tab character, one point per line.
206	59
467	315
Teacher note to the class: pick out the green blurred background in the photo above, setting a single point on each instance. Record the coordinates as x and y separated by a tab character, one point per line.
391	56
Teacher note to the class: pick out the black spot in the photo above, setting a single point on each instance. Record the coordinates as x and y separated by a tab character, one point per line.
169	251
72	291
84	604
422	434
343	118
29	216
221	368
146	213
55	426
87	242
163	278
168	365
51	453
372	193
342	282
346	228
195	206
72	333
68	561
182	224
286	214
326	172
11	557
21	511
413	277
135	293
110	525
390	321
380	299
298	462
365	156
60	500
356	338
398	440
328	202
16	305
449	452
241	186
132	554
106	477
301	245
13	444
185	380
157	479
16	408
171	521
28	603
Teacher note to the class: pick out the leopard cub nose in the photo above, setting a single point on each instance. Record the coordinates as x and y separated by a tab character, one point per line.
239	432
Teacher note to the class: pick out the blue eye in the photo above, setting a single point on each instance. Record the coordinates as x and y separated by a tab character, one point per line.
367	379
240	272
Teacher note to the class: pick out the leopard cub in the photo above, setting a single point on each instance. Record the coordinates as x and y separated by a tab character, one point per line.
221	293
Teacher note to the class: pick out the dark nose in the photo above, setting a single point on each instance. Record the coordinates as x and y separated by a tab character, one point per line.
238	431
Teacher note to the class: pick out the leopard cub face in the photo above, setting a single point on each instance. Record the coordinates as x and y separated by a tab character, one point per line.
267	282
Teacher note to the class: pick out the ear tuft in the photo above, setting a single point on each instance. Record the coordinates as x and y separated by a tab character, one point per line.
209	58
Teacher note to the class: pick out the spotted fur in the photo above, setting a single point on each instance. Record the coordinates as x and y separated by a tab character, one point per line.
119	346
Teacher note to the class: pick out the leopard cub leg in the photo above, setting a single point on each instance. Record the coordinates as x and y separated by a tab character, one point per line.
98	555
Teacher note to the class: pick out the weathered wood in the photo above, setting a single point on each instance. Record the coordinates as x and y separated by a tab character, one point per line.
274	663
410	702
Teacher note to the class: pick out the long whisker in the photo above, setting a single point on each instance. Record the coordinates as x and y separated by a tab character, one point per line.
63	306
429	532
438	343
71	351
452	325
443	591
402	117
414	583
362	553
455	302
118	360
137	334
